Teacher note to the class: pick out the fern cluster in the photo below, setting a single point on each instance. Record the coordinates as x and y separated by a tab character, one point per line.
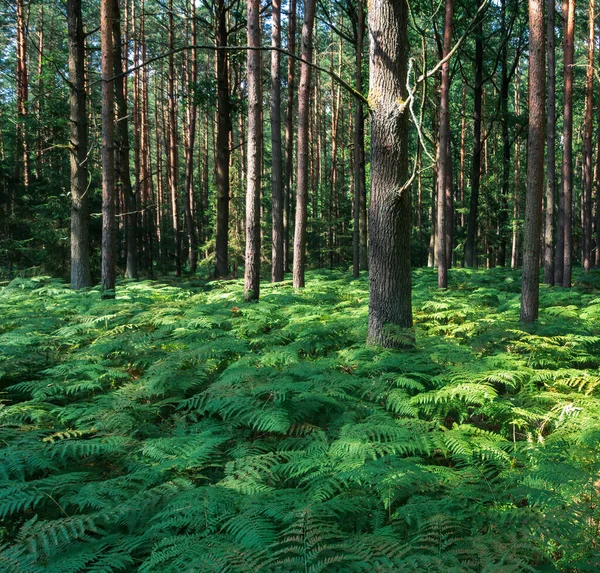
177	428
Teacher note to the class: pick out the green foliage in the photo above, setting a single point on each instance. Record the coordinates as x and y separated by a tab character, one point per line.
177	428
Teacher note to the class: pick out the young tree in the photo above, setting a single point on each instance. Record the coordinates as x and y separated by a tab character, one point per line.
535	164
108	158
390	310
252	268
303	135
80	244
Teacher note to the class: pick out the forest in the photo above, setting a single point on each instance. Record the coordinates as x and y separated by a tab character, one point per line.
301	286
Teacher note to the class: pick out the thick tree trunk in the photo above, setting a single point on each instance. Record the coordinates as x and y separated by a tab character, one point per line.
108	158
80	247
550	145
476	173
252	268
278	255
587	148
444	222
359	238
223	153
302	171
122	150
535	165
390	310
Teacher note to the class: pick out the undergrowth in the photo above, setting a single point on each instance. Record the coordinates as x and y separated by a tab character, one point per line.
177	428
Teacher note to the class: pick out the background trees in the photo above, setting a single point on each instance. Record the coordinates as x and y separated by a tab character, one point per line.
182	135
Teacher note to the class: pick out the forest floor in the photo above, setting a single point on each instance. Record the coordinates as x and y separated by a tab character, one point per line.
177	428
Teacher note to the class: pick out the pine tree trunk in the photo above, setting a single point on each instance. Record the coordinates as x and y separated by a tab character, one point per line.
587	148
303	156
445	157
252	259
289	136
277	256
80	244
550	145
476	173
122	150
390	310
535	164
108	158
223	154
22	173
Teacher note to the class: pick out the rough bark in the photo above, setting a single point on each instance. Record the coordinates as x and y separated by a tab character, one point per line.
303	156
252	267
80	247
277	254
535	165
108	158
22	162
390	310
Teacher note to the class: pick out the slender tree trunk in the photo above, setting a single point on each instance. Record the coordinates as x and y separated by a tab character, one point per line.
550	145
359	238
22	169
445	156
252	268
189	158
503	211
463	131
223	128
122	150
564	248
588	148
535	164
476	173
278	255
289	136
302	172
390	310
80	247
108	158
173	143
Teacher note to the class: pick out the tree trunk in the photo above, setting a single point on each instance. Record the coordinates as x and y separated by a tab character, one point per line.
444	223
22	161
223	153
587	148
252	268
564	234
278	256
189	158
122	150
390	310
359	237
550	145
302	170
476	173
80	244
535	165
108	158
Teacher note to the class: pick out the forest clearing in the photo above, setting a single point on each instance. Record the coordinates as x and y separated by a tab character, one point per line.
307	286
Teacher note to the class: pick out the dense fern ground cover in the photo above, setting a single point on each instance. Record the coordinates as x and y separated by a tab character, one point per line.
177	429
